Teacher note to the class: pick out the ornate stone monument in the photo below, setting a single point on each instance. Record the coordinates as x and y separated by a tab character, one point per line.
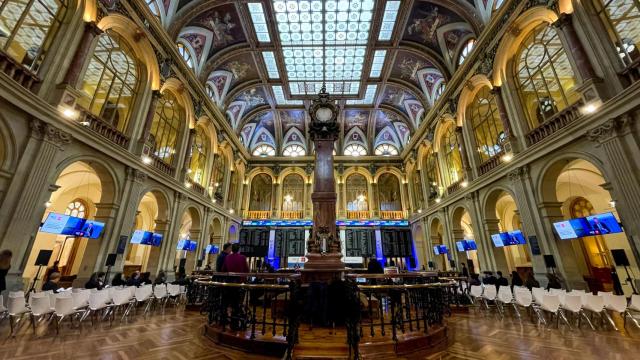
323	246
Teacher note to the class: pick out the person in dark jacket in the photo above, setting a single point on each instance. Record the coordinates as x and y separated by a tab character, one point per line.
489	279
161	278
118	280
5	265
52	283
134	279
516	280
501	281
531	282
465	271
374	267
96	281
226	249
554	282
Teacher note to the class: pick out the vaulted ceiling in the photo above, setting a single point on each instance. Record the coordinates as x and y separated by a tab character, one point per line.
385	61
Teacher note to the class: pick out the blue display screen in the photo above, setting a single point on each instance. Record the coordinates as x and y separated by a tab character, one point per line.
156	239
440	249
92	229
347	223
192	246
466	245
499	239
516	238
460	245
141	237
74	226
212	249
600	224
183	244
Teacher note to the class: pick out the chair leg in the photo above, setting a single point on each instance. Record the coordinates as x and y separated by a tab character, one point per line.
564	318
515	309
58	321
629	314
610	320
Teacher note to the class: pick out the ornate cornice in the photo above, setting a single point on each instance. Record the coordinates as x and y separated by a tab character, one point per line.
610	129
518	174
136	175
49	133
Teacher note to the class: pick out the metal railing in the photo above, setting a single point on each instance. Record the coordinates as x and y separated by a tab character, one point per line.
392	215
292	214
358	214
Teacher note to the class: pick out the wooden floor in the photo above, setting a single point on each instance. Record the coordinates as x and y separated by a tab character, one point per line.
179	336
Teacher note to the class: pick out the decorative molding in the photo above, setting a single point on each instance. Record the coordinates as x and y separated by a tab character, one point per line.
309	168
610	129
518	174
49	133
136	175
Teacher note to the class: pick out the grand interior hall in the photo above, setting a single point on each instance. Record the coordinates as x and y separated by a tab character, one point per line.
319	179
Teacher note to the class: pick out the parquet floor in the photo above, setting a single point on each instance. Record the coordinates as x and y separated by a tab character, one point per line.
179	336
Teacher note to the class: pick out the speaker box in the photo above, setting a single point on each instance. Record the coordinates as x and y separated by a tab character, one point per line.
182	264
470	266
452	263
43	257
199	263
549	261
431	265
111	260
620	257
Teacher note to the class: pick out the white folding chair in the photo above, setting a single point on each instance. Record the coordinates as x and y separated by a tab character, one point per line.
3	310
522	297
573	304
160	295
550	304
64	307
505	297
538	295
173	293
40	307
121	300
143	296
634	307
17	308
593	304
98	301
614	303
475	293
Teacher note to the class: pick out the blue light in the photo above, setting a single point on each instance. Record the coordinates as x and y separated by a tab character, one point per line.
348	223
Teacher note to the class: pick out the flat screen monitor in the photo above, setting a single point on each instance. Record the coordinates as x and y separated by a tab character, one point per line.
600	224
212	249
156	239
440	249
141	237
460	245
91	229
603	224
436	250
70	225
572	229
516	238
499	239
192	246
470	245
183	244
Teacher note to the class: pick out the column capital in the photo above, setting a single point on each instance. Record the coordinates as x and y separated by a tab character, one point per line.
564	20
92	28
136	175
49	133
610	129
518	174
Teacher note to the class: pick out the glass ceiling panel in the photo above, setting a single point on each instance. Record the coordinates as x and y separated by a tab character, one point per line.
259	22
369	96
324	41
281	99
270	62
389	20
378	62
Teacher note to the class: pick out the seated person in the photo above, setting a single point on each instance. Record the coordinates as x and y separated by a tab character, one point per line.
52	283
160	279
118	280
96	281
134	279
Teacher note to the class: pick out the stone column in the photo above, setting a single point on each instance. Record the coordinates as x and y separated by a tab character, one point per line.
406	203
276	199
374	206
499	257
145	140
32	184
244	201
153	263
485	261
616	143
106	213
463	154
504	119
168	249
187	155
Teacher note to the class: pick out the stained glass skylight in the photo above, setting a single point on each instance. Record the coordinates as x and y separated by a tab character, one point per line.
389	20
270	61
259	22
378	62
278	93
324	41
369	96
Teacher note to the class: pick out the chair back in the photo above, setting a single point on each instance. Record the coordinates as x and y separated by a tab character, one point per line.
523	297
97	299
551	303
490	292
173	290
593	302
39	304
572	303
538	294
64	305
142	293
16	293
577	292
504	294
16	305
616	303
635	302
121	296
476	290
160	291
132	291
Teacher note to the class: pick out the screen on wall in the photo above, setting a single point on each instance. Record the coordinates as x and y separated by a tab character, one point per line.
212	249
192	246
499	239
156	239
515	238
141	237
460	245
440	249
600	224
466	245
73	226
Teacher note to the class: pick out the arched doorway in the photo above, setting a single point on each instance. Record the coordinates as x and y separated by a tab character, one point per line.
437	238
463	230
501	215
577	187
293	197
83	188
357	197
189	230
390	202
260	197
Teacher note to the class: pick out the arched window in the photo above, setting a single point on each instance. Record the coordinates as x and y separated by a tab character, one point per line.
386	150
186	55
27	28
110	81
260	199
418	197
487	126
546	82
452	159
357	193
433	174
264	151
621	18
154	7
389	193
166	127
293	193
294	151
466	50
355	150
233	190
77	208
199	156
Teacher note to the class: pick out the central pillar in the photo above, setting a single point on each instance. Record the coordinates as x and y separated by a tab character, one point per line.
323	246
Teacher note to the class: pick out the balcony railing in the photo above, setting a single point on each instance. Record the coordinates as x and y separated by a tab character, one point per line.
557	122
260	215
196	187
454	187
492	163
18	72
103	128
359	214
292	214
162	166
392	215
632	72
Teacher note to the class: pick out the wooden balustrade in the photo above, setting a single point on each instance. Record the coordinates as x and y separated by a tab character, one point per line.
259	215
103	128
18	72
196	187
456	186
359	214
392	215
554	124
492	163
162	166
292	214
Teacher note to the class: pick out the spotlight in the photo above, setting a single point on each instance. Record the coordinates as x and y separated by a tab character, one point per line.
230	211
438	201
214	201
591	107
69	113
419	211
464	184
507	157
146	160
188	171
612	203
187	185
47	204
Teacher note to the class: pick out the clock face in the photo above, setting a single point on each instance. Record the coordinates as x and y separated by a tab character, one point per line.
324	114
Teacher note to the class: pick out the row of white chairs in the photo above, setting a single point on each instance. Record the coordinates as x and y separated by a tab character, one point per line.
558	303
82	303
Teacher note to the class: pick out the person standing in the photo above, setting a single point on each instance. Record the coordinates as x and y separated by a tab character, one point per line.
226	249
5	265
465	271
235	262
516	280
